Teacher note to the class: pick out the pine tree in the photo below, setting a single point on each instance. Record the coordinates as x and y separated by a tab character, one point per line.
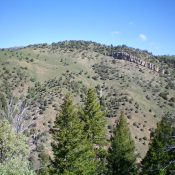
159	154
121	157
95	126
94	119
73	154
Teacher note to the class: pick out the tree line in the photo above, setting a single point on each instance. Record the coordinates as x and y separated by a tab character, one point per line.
80	147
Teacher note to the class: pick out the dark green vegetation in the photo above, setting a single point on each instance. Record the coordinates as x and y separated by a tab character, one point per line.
73	153
78	147
35	79
121	158
160	157
94	122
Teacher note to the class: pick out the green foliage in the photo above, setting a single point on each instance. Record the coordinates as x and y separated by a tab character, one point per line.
167	59
3	105
62	75
121	158
45	160
94	119
158	157
13	152
16	166
73	154
95	125
162	172
164	95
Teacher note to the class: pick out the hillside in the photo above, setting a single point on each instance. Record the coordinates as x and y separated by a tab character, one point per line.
35	78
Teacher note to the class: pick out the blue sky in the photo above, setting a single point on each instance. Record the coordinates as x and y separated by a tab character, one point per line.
144	24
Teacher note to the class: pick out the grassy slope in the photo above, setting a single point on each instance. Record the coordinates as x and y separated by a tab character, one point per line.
48	64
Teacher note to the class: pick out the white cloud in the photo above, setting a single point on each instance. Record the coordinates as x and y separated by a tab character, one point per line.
142	37
116	33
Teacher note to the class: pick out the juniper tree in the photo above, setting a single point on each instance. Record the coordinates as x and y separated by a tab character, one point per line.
159	158
121	157
73	154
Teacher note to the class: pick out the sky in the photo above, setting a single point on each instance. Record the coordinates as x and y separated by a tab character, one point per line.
143	24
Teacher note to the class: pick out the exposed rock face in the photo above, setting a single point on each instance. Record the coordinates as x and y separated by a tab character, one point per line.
128	57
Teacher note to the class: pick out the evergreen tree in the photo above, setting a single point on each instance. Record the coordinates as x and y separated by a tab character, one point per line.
73	154
121	157
159	156
95	126
94	119
14	152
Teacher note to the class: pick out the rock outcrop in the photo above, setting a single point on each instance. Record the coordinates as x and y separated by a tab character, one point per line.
128	57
